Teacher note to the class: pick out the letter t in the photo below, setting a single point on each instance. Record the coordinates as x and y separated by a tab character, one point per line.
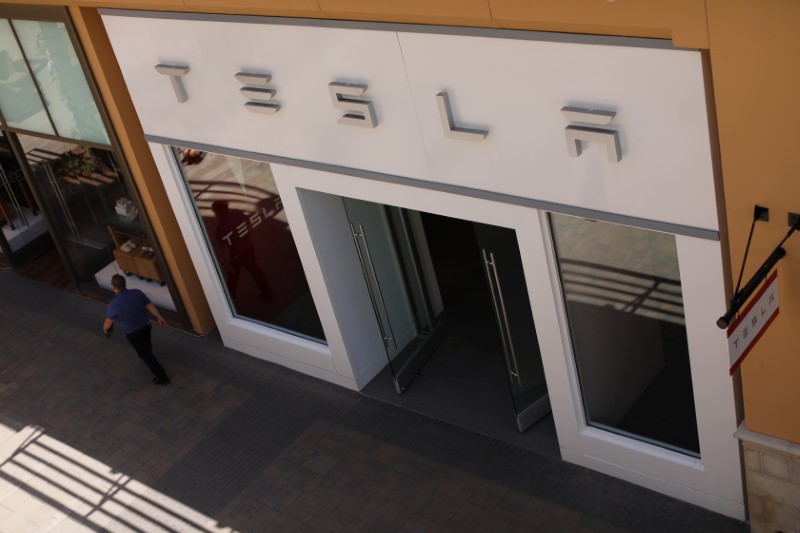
175	72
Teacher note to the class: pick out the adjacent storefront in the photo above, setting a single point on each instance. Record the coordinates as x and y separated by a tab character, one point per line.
65	194
360	198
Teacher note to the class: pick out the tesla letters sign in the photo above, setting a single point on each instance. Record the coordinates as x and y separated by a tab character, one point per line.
361	112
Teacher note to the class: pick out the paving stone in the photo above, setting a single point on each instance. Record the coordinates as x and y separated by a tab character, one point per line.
236	443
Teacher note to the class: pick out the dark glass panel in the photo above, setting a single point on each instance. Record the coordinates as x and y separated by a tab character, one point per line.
622	289
248	233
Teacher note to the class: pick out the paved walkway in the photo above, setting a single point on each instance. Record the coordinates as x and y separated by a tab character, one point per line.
87	443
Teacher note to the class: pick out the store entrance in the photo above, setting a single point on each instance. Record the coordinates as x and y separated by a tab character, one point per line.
25	243
97	230
485	372
68	219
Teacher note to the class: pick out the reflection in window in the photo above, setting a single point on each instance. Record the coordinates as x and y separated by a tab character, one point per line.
51	58
624	304
246	227
19	100
61	79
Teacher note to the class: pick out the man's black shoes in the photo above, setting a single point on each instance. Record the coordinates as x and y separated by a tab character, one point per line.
161	381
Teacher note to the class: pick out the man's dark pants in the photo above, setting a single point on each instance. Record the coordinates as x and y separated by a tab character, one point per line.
140	340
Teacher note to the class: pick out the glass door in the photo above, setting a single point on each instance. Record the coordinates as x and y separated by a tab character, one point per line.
87	204
386	242
504	274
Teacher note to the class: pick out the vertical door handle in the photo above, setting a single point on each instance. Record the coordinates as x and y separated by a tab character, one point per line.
14	201
61	201
372	296
490	264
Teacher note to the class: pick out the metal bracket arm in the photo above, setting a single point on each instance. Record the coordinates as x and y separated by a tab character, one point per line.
741	297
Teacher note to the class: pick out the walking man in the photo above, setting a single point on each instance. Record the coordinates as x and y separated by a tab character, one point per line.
130	307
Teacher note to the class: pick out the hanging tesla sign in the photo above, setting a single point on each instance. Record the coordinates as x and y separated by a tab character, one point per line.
753	322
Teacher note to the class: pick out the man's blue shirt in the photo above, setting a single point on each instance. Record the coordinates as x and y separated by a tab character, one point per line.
128	306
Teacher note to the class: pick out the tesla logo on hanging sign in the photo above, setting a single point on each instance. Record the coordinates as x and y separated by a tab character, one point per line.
753	322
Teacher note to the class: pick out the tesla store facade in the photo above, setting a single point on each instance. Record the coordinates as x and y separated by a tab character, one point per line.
358	198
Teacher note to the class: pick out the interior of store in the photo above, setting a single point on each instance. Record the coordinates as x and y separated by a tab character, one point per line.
635	388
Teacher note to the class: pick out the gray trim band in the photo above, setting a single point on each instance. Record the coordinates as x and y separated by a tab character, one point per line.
468	31
655	225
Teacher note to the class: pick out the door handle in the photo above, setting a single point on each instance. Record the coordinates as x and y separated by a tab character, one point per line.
61	201
14	201
372	296
496	290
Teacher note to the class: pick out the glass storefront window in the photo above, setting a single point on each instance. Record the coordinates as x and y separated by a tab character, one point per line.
93	216
19	101
246	228
61	79
624	305
51	58
67	215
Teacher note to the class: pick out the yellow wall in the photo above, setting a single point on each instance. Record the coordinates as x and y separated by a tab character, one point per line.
754	50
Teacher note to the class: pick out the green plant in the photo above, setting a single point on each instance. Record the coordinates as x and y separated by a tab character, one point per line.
76	162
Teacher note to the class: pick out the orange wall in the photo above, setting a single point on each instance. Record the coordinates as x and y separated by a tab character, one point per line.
681	20
754	51
137	153
755	60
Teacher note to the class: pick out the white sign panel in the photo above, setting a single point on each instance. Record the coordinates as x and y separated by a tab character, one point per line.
753	322
613	128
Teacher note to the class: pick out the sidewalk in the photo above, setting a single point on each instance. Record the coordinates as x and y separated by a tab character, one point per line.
88	443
